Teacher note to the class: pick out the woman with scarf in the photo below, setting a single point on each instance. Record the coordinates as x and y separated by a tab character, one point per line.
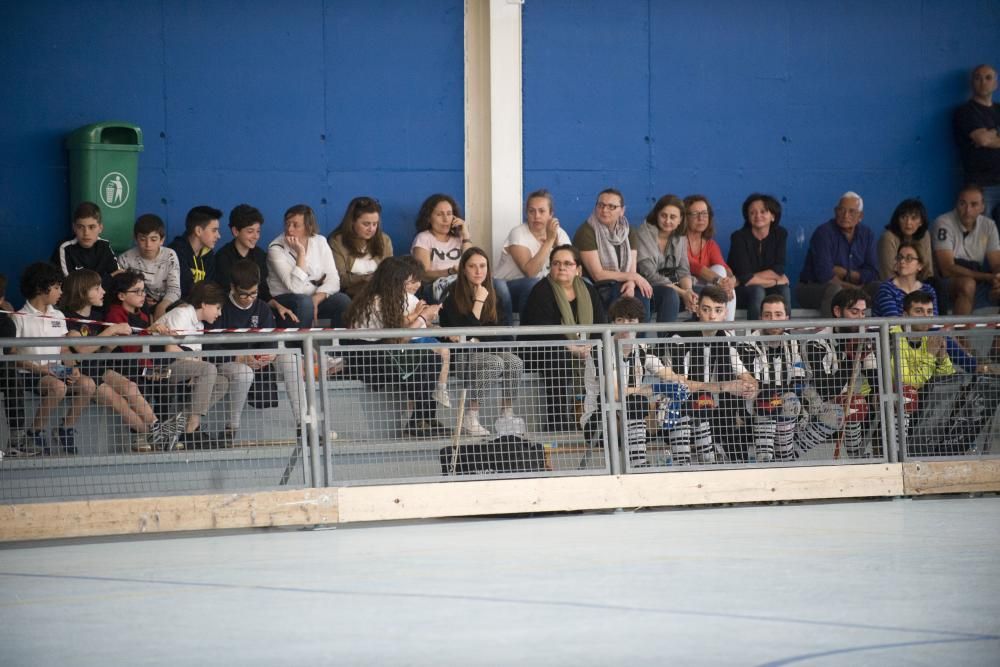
472	302
663	259
608	251
562	298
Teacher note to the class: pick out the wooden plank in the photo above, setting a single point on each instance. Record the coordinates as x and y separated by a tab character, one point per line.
470	498
89	518
932	477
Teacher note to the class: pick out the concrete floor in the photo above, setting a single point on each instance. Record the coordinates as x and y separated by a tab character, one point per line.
911	582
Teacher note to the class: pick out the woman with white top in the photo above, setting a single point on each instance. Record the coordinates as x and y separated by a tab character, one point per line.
525	257
442	237
302	273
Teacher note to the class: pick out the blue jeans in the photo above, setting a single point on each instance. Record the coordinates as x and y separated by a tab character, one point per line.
668	304
333	308
519	289
504	304
749	297
611	290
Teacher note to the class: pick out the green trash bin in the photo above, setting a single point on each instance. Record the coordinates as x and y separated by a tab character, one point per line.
104	169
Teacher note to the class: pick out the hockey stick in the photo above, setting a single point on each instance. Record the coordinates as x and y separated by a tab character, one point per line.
855	372
456	441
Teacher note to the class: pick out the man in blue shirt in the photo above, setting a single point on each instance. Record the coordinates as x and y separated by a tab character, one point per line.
841	254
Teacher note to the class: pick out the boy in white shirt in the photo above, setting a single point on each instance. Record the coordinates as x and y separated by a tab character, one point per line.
209	385
159	266
48	376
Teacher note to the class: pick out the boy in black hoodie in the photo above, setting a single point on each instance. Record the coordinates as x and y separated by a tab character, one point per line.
194	247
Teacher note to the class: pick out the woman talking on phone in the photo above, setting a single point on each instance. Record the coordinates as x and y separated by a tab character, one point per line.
442	237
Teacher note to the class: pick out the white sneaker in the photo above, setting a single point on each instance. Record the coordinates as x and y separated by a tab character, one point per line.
441	395
509	425
334	365
471	425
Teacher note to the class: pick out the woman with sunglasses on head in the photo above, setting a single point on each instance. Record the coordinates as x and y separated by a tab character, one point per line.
704	254
563	298
472	302
302	274
908	223
909	264
359	244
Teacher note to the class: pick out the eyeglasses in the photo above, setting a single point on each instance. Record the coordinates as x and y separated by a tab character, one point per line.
240	294
138	290
559	264
848	212
698	215
907	258
611	207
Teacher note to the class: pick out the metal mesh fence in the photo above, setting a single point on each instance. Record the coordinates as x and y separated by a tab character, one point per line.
948	392
326	411
420	411
117	424
730	400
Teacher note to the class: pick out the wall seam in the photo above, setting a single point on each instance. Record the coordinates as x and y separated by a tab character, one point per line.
325	139
650	196
165	198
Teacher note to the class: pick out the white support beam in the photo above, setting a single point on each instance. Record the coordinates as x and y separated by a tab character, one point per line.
493	136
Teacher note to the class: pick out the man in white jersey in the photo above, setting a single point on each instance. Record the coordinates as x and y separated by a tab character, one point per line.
967	252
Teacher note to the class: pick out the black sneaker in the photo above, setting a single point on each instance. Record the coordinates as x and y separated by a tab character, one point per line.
65	437
427	428
224	439
197	440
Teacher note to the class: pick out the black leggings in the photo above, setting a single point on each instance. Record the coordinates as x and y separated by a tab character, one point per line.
411	372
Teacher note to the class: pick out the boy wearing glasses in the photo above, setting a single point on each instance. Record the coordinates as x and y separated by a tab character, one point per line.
843	381
244	309
245	223
159	266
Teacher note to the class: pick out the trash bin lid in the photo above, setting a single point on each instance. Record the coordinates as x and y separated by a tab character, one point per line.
109	135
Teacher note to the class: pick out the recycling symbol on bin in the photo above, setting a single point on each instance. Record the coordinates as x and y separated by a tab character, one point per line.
114	190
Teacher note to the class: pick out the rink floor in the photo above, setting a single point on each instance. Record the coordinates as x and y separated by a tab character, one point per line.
914	582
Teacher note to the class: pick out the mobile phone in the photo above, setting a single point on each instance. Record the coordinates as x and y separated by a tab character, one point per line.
455	230
60	371
153	373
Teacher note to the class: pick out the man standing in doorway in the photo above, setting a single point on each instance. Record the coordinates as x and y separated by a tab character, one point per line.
976	126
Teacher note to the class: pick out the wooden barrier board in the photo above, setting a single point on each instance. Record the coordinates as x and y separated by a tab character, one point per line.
933	477
88	518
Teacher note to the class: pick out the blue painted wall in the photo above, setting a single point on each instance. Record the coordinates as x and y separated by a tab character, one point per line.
317	101
252	101
804	100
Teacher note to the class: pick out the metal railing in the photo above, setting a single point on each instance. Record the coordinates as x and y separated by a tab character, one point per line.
316	409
